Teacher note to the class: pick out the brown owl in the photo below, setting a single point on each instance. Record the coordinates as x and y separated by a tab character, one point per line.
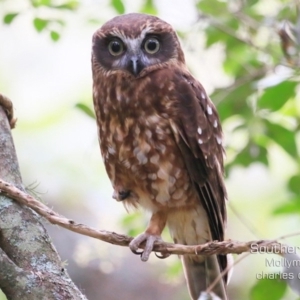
160	139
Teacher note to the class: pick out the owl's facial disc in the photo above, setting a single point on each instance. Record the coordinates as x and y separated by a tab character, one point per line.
134	54
142	56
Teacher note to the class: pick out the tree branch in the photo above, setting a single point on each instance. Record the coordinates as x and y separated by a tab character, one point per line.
9	267
225	247
30	267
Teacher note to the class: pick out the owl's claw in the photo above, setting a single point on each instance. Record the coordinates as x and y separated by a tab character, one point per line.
137	252
161	255
149	240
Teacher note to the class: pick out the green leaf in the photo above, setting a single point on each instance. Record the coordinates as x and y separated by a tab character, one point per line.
232	100
9	18
286	13
252	153
149	8
54	35
283	137
174	270
133	223
291	206
40	24
71	5
241	58
212	7
294	184
37	3
87	110
118	6
276	96
269	287
213	36
251	2
236	59
216	34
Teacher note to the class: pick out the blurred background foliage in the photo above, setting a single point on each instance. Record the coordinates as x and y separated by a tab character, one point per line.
246	54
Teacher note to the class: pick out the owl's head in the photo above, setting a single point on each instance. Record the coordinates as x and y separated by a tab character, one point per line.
135	44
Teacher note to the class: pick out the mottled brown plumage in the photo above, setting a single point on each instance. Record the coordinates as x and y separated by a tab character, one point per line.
160	138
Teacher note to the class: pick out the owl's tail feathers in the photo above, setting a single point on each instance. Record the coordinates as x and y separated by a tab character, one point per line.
201	273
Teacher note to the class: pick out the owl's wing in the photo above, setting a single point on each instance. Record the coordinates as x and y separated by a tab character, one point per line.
198	134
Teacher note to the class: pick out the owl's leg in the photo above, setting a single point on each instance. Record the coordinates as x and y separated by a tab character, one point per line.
150	236
8	108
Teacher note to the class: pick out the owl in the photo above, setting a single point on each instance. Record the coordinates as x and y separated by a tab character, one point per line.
161	140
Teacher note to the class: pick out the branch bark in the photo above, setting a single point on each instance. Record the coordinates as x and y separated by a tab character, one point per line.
225	247
30	267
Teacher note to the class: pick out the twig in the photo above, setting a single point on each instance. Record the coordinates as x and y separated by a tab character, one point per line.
8	107
225	247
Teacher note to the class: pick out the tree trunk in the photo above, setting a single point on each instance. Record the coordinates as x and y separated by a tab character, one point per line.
30	267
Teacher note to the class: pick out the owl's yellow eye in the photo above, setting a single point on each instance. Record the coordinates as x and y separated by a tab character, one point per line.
115	47
152	45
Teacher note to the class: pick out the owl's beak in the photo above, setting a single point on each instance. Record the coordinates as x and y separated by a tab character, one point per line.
135	65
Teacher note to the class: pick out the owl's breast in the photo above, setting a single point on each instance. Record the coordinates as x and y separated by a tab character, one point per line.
138	146
141	155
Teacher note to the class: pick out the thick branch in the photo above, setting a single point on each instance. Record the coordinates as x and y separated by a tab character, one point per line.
9	267
225	247
30	267
13	276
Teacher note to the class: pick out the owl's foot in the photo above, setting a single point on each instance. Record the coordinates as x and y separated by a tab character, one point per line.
149	243
8	108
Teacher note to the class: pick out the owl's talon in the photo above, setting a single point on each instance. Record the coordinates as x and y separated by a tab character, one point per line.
161	255
137	252
149	240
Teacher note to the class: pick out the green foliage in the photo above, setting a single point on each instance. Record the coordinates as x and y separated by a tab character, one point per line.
283	137
68	5
265	101
40	24
252	152
86	109
9	18
249	60
149	8
294	184
292	206
54	35
71	5
212	7
268	288
174	271
276	96
118	6
2	296
37	3
52	25
133	223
